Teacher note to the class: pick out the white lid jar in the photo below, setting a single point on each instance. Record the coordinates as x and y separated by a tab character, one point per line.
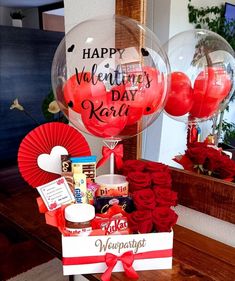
78	218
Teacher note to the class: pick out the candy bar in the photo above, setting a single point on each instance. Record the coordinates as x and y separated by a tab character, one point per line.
65	164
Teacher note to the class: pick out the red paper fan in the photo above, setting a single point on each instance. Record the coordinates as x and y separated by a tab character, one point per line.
42	140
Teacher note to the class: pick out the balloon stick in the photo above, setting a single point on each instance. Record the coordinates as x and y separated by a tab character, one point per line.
112	163
111	144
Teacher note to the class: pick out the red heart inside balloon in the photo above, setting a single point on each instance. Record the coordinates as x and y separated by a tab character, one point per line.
79	87
213	82
131	97
104	117
153	90
204	109
210	88
147	91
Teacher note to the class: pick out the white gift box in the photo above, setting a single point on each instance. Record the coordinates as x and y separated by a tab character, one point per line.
87	254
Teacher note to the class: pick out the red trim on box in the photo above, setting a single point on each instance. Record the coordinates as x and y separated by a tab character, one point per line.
96	259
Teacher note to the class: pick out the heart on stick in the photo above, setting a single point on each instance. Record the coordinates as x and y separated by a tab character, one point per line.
52	162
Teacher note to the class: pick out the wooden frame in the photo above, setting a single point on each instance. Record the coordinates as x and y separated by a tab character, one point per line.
137	11
205	194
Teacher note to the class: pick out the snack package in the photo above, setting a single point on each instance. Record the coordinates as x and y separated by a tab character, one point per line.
115	225
85	165
80	189
103	204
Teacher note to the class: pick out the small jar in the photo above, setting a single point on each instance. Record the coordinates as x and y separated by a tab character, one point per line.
78	218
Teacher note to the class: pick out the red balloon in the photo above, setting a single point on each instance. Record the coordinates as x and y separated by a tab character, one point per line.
210	88
153	90
130	97
204	109
104	117
75	93
180	97
134	115
147	91
213	82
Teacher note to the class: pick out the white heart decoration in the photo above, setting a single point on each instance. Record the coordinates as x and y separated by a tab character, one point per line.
52	162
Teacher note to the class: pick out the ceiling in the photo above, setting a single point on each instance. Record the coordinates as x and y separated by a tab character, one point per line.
26	3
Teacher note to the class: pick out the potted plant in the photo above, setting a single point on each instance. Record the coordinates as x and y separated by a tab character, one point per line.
17	17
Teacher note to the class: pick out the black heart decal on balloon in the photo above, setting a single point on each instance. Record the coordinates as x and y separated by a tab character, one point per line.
71	48
144	52
70	104
107	65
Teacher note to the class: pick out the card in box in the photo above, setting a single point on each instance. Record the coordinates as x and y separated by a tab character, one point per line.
83	255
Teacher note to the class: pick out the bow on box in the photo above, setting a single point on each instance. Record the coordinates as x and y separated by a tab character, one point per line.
126	258
118	154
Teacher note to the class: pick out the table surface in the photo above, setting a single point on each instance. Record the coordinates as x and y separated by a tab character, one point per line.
196	257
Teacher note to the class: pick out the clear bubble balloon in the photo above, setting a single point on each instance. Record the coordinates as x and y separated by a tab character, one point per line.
202	75
110	77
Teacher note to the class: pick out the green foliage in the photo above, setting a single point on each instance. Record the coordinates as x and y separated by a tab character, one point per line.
52	116
229	132
212	18
18	15
45	104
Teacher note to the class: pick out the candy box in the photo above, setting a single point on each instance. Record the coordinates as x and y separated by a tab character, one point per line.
116	253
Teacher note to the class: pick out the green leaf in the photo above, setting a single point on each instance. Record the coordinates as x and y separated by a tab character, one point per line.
45	104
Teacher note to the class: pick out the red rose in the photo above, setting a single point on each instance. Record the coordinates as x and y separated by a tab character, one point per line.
162	179
226	170
197	153
184	161
140	221
152	167
212	163
144	199
164	219
165	197
133	166
138	180
219	165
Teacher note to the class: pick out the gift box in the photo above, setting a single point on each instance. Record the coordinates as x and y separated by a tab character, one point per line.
117	253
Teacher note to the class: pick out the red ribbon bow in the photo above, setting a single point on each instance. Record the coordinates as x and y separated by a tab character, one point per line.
127	260
118	154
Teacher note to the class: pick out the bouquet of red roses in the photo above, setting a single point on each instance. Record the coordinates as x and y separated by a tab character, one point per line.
207	160
150	187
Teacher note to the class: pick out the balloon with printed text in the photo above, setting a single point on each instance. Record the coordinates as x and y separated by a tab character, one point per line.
112	89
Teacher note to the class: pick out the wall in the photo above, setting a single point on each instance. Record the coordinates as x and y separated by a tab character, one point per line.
31	19
5	18
78	11
152	136
165	137
75	12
